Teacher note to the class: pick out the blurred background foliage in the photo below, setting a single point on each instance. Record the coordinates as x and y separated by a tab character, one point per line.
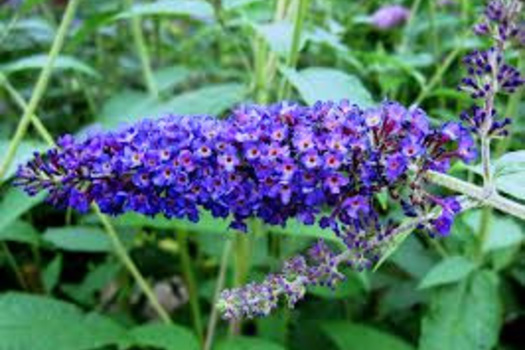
63	288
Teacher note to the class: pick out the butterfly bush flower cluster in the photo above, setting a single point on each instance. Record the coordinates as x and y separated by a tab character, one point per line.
323	164
488	73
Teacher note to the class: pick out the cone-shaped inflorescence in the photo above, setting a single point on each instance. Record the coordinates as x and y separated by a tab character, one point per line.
322	164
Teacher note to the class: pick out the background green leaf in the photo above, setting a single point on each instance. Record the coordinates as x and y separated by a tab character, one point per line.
464	316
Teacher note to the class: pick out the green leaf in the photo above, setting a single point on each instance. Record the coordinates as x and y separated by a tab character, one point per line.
20	231
245	343
350	336
198	9
504	233
278	35
96	279
24	153
413	258
51	274
162	336
449	270
464	316
212	100
509	172
318	83
39	61
15	203
78	239
169	77
40	323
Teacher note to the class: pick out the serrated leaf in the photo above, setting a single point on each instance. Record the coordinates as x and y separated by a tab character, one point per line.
197	9
162	336
464	316
78	239
449	270
322	84
211	100
40	323
245	343
350	336
20	231
51	274
23	154
39	61
15	203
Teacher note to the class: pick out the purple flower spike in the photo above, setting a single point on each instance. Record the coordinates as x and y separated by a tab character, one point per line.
273	163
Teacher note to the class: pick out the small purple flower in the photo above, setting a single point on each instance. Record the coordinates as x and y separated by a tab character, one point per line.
390	16
395	165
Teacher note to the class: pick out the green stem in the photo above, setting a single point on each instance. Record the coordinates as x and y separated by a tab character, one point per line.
212	323
492	198
433	28
436	78
189	276
408	27
142	50
241	256
484	230
260	51
14	266
293	57
21	103
122	253
40	86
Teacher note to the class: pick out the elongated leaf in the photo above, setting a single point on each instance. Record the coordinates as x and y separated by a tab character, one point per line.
15	203
450	270
51	274
40	323
38	61
351	336
162	336
211	100
464	316
23	154
78	239
20	231
245	343
198	9
318	83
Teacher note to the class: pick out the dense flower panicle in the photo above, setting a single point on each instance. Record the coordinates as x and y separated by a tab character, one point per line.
319	267
488	74
390	16
319	164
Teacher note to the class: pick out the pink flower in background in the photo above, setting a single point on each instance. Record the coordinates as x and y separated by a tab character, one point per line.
390	16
